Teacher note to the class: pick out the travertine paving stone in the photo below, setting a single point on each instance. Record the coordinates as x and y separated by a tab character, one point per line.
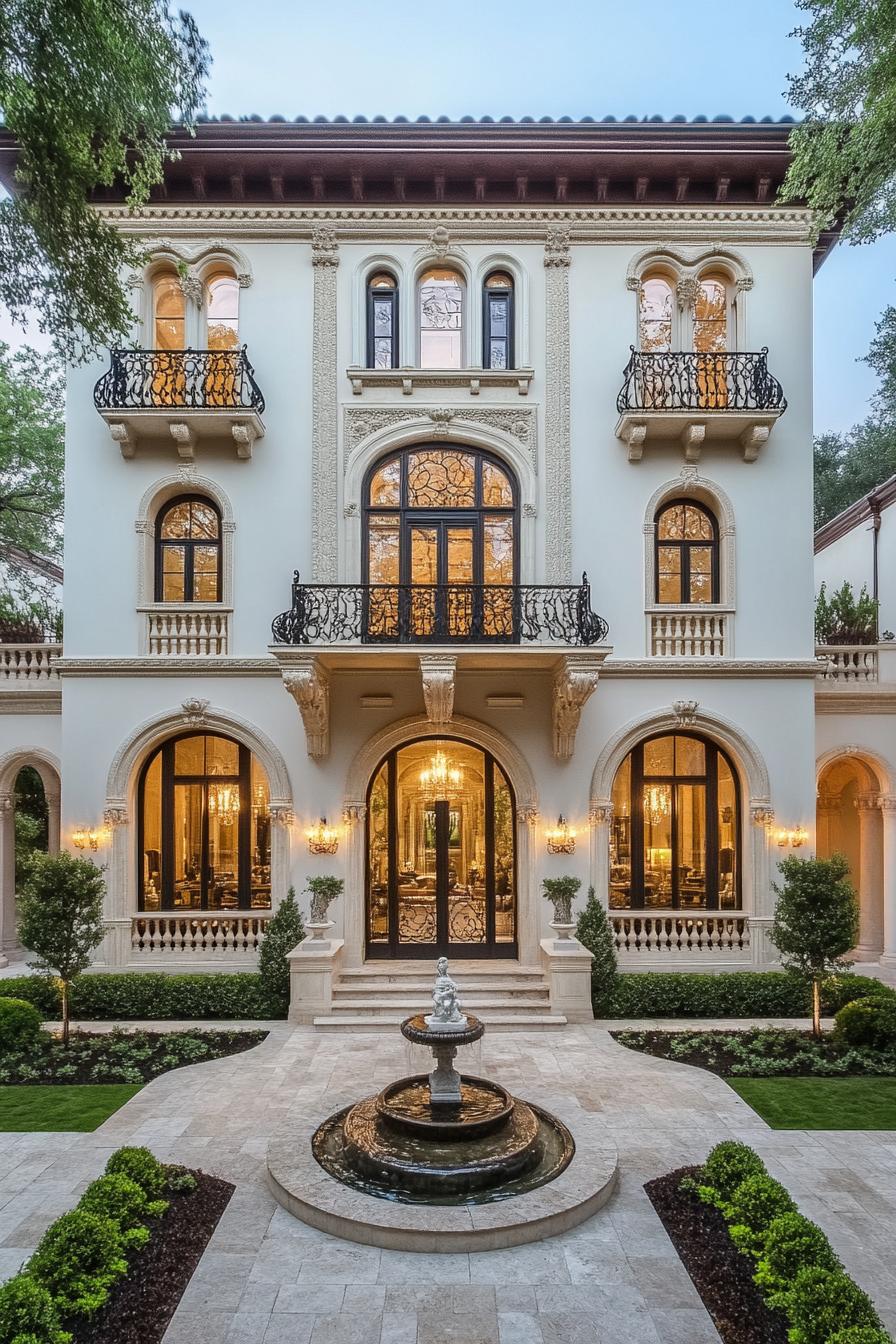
267	1279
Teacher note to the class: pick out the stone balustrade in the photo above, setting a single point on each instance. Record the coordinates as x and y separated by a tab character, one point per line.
689	634
220	934
709	934
844	663
187	631
29	662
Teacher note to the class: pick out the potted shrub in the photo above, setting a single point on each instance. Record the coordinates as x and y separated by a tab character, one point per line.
323	892
561	892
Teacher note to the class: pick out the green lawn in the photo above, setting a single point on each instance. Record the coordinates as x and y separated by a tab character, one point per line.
821	1103
81	1106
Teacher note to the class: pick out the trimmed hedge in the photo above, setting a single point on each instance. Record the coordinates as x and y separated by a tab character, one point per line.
730	994
151	995
867	1023
19	1022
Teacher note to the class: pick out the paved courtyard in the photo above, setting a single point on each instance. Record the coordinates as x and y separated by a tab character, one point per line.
268	1279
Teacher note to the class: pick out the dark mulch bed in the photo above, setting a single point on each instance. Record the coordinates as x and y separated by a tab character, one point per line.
142	1303
722	1276
761	1052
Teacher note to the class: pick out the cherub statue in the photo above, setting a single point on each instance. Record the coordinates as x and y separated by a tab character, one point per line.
445	1005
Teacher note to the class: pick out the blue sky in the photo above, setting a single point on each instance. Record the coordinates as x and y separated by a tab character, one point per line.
573	58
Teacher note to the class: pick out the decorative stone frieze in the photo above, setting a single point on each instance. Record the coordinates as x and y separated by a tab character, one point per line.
114	815
527	815
308	683
600	814
438	674
575	681
558	499
324	419
353	813
685	712
449	422
762	814
282	814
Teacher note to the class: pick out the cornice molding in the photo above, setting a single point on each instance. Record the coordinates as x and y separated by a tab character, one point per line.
694	668
41	700
167	667
848	701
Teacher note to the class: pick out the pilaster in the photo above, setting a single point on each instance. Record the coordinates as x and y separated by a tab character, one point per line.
871	934
558	496
887	804
324	477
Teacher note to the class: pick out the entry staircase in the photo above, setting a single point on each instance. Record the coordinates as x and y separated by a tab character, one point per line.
503	994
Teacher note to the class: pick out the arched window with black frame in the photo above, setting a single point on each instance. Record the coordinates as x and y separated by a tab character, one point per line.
188	551
687	554
497	321
204	827
382	321
675	838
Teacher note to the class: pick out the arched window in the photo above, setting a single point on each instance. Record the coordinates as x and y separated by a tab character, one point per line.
711	315
675	835
222	311
168	312
441	521
441	860
497	321
382	321
687	554
440	297
205	827
656	314
188	551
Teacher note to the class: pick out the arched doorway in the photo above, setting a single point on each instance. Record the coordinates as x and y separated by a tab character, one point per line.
441	871
441	546
29	821
849	822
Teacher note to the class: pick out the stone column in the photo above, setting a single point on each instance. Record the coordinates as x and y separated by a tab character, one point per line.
827	812
53	822
888	815
8	932
763	952
558	496
324	407
600	818
870	942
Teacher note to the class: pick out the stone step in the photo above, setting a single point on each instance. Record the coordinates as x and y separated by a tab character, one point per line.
408	1006
456	969
389	1022
423	990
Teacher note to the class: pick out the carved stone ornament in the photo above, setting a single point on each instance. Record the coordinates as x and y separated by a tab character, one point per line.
188	473
115	815
437	674
351	511
184	436
887	802
195	711
556	246
600	814
7	803
685	712
744	284
359	424
309	686
527	815
762	814
439	243
635	436
353	813
282	814
243	436
686	292
832	803
575	681
191	288
122	435
863	802
324	246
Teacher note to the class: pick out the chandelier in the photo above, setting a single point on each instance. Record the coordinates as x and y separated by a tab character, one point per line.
441	779
657	803
561	838
223	799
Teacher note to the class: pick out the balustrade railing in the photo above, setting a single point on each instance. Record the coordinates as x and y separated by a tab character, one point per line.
345	613
847	662
691	634
206	935
29	662
197	632
172	380
678	934
687	381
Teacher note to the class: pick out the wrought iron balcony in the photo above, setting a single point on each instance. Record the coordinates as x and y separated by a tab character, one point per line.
696	397
685	381
346	614
185	395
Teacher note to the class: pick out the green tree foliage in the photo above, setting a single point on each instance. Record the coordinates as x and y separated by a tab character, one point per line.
88	90
816	921
61	909
31	455
282	933
561	892
849	466
594	931
844	618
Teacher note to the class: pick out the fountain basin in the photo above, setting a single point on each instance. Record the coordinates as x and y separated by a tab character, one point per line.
484	1106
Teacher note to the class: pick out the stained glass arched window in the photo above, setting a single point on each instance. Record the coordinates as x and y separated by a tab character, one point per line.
440	306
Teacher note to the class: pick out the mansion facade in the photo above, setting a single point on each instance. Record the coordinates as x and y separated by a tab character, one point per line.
447	526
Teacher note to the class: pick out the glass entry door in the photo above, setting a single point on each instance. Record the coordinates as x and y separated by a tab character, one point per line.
441	876
441	559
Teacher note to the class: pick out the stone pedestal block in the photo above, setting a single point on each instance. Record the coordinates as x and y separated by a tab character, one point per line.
313	966
567	966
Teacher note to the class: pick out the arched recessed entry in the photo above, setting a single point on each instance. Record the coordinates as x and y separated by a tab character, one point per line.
29	819
441	871
849	822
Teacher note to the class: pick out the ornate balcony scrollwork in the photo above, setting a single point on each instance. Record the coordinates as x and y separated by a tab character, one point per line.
687	381
174	380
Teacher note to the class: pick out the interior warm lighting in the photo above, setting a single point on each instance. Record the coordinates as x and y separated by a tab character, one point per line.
795	837
561	839
223	800
657	802
441	779
322	839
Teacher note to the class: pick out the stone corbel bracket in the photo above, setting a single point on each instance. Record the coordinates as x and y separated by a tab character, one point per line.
308	682
575	681
437	674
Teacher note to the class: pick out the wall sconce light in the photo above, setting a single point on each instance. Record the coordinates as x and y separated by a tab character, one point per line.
561	840
796	837
322	839
83	839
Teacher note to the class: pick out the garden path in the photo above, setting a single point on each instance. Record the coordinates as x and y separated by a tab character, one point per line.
267	1279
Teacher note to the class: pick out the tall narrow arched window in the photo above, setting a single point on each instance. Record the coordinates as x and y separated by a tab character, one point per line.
188	551
204	828
382	321
222	311
440	305
497	321
711	315
656	314
687	554
675	836
168	312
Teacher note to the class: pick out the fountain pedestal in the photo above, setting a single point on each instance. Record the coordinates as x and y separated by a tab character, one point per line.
443	1039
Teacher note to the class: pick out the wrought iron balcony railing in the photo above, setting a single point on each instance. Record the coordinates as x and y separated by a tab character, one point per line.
357	613
686	381
198	380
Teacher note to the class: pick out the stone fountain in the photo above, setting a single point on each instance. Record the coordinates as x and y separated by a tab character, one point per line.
443	1140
